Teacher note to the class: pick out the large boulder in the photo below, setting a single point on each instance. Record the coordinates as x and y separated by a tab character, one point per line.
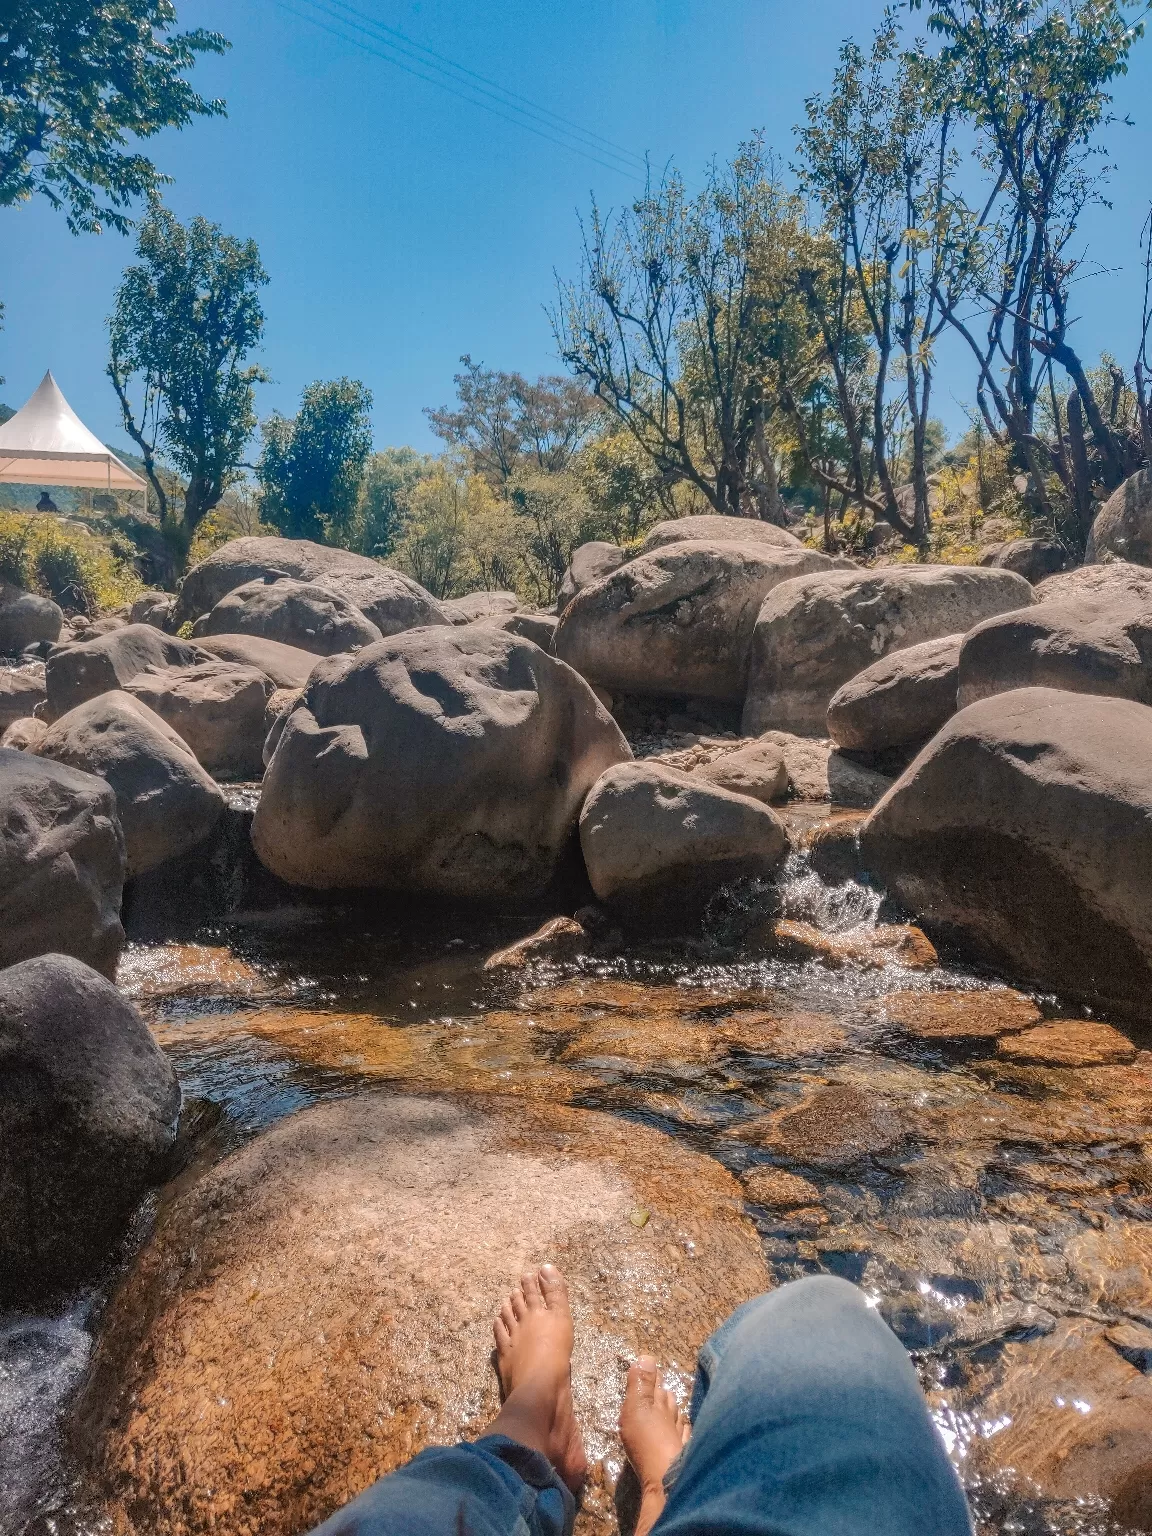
1122	529
88	1111
21	690
25	619
1023	834
1034	559
444	760
287	665
1118	578
318	1307
816	632
678	622
388	599
297	613
481	605
165	800
899	700
155	608
24	735
723	530
659	843
540	628
1090	645
217	708
76	673
589	563
61	863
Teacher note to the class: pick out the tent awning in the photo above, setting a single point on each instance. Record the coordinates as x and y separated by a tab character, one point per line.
46	443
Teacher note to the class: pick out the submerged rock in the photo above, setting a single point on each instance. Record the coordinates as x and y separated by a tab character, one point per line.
88	1109
61	863
317	1308
560	938
659	843
445	760
1023	833
1069	1043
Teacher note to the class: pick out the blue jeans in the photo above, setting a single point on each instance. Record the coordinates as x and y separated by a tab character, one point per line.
807	1420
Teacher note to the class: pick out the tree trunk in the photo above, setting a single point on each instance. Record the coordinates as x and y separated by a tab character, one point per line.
1081	472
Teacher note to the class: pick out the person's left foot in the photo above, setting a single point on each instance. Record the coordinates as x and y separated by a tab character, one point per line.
534	1361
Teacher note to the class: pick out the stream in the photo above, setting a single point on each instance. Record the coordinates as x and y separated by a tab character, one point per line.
972	1195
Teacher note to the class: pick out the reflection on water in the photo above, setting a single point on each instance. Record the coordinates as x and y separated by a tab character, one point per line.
956	1187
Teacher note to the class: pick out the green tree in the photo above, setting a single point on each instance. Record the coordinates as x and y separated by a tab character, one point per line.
77	80
312	465
185	318
389	476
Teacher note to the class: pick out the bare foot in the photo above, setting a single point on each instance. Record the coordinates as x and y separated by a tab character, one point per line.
534	1362
654	1430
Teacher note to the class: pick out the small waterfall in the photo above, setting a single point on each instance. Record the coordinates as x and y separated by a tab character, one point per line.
41	1359
805	897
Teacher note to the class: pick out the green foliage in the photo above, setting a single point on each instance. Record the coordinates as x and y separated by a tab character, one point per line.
311	467
77	80
389	478
185	319
81	571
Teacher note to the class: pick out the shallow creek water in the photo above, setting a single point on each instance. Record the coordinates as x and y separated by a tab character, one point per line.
973	1195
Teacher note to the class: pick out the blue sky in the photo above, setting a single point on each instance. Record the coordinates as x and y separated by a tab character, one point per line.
402	226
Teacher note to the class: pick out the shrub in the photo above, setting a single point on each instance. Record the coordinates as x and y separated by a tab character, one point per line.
82	571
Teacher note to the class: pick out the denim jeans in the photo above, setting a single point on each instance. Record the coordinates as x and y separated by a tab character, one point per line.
807	1420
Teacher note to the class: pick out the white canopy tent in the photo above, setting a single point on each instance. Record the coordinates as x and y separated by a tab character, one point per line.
46	443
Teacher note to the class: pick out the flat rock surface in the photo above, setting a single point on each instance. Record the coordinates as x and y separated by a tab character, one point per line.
318	1307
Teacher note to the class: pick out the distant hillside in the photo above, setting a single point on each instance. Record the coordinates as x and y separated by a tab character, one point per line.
6	413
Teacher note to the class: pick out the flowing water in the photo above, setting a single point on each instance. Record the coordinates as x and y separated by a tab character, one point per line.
973	1196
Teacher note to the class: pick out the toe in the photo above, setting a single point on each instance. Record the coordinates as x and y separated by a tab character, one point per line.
642	1378
508	1317
501	1334
553	1286
533	1295
518	1304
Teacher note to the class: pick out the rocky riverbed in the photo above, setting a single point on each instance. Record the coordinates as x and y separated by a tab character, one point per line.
681	1128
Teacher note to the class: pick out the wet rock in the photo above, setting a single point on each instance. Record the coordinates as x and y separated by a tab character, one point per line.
76	673
815	633
217	708
832	1128
287	665
1023	833
21	690
1101	645
1073	1418
24	735
561	938
1134	1342
959	1017
868	946
779	1190
678	622
898	701
388	599
88	1109
833	847
25	619
1122	529
589	563
757	770
1034	559
61	863
446	760
165	800
318	1307
155	608
1069	1043
1119	578
659	844
480	605
725	530
296	613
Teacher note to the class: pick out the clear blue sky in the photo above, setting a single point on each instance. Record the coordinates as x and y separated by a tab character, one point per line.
402	226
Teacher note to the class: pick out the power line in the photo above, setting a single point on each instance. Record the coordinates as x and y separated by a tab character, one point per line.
461	89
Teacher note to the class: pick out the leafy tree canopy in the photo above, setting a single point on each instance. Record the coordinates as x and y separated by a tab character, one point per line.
186	317
78	79
311	466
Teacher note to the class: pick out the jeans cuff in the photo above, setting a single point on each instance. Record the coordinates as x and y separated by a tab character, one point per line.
533	1468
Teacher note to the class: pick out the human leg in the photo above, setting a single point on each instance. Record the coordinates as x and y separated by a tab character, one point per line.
519	1478
808	1420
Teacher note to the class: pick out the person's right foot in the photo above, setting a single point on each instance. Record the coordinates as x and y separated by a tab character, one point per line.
654	1430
